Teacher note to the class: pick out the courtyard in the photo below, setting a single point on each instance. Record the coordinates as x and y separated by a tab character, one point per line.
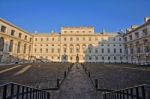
77	84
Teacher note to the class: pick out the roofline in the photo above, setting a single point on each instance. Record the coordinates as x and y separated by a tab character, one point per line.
145	24
14	26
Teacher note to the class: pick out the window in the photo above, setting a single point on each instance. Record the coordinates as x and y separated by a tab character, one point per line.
130	37
71	39
120	50
138	50
147	49
119	39
102	58
83	38
77	50
3	29
58	50
35	50
108	50
11	46
137	35
25	37
41	39
90	51
114	57
52	50
71	50
102	50
12	32
114	39
145	32
89	38
35	39
25	45
47	39
64	39
53	39
96	57
65	50
96	38
131	50
114	50
41	50
30	39
83	31
77	39
108	58
70	58
96	51
18	47
20	35
46	50
125	38
90	58
108	45
120	57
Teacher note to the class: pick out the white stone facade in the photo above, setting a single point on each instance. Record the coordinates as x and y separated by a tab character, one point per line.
137	44
70	43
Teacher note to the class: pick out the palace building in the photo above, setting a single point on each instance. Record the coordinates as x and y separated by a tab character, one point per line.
75	43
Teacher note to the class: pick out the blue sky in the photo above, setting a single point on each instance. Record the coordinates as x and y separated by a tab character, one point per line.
47	15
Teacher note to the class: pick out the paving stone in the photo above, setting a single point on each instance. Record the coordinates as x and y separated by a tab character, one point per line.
77	86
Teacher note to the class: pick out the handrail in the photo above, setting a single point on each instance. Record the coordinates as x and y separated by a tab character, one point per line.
17	91
135	92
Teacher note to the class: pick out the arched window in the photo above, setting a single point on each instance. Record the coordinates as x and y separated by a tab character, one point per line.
11	46
18	47
1	43
25	46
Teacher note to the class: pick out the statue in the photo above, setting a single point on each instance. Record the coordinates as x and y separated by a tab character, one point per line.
77	58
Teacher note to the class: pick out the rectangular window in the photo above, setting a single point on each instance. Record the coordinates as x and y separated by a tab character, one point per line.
3	29
71	39
20	35
12	32
102	50
137	35
35	50
130	37
108	50
120	50
114	50
145	32
96	51
25	37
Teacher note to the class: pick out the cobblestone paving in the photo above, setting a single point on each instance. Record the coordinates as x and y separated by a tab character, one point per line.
77	86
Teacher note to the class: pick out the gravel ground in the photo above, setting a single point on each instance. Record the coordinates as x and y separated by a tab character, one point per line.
118	76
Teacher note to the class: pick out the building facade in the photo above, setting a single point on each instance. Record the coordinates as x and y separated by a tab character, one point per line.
137	43
71	44
15	43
